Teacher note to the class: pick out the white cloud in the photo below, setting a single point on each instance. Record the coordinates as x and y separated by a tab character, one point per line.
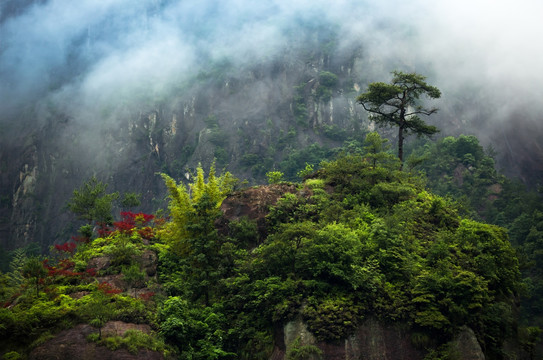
111	46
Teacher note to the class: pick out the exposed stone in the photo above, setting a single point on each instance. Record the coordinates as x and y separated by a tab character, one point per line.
459	174
115	280
253	203
466	346
494	192
295	330
373	340
99	263
119	328
72	344
149	262
79	294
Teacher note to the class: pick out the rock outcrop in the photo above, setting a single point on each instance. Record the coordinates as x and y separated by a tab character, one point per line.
252	204
466	346
73	344
373	340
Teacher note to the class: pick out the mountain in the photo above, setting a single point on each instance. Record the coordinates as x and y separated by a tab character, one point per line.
122	92
250	122
357	261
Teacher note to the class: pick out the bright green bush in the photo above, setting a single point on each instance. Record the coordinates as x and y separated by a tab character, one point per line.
274	177
12	355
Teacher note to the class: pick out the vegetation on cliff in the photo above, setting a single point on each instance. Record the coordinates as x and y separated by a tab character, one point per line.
357	239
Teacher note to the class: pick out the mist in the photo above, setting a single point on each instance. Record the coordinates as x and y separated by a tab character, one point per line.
82	57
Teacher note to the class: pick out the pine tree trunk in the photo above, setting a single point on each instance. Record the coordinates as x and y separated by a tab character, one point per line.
400	146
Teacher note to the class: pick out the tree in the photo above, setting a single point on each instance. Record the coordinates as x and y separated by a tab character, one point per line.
191	234
34	270
133	276
91	202
375	150
98	311
131	200
16	266
398	104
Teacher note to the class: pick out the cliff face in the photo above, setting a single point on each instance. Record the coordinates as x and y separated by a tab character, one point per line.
248	122
373	340
71	108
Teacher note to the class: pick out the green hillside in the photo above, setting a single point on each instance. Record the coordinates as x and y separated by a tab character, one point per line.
356	240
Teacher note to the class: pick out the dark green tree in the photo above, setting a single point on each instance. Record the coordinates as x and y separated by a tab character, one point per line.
98	311
34	270
92	203
133	276
398	104
131	200
375	150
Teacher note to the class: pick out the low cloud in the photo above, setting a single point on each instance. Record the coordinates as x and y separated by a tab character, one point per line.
83	54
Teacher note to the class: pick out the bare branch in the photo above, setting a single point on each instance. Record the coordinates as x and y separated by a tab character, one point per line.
423	112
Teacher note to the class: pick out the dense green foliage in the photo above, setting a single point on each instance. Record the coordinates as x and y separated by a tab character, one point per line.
359	239
460	168
376	245
43	297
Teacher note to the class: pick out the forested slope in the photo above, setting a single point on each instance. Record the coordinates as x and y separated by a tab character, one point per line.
357	241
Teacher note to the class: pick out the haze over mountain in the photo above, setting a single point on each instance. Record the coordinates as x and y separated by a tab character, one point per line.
346	253
79	72
92	53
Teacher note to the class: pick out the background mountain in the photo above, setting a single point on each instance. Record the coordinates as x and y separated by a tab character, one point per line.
123	91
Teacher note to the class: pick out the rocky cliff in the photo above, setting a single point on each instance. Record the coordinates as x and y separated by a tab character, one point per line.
373	340
249	121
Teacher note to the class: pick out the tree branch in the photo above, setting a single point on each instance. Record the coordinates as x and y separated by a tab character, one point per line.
422	111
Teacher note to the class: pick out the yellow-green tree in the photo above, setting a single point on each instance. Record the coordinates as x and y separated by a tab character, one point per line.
183	202
191	233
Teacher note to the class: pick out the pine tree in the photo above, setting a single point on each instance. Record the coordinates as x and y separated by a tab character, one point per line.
398	104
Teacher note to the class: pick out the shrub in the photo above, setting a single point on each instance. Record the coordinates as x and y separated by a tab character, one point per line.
274	177
12	355
333	318
297	351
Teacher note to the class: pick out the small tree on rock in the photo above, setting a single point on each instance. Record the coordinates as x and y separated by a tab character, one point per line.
98	311
133	276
